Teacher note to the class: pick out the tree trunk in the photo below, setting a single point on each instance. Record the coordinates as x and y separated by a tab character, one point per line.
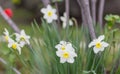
87	16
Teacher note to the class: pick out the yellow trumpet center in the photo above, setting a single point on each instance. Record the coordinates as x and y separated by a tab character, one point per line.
50	13
63	47
22	38
98	45
14	46
65	55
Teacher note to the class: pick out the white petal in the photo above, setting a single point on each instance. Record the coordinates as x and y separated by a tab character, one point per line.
102	49
63	60
59	53
43	10
23	33
64	25
64	14
22	43
92	43
17	37
63	42
49	20
6	32
96	50
63	19
69	44
70	48
58	46
11	40
49	7
70	60
45	16
19	50
9	45
70	22
28	37
54	16
101	37
54	10
72	53
104	44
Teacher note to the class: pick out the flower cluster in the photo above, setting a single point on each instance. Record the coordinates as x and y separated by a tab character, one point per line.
98	44
50	15
66	52
63	19
19	42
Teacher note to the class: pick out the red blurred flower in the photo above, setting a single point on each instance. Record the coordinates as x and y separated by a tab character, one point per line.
9	12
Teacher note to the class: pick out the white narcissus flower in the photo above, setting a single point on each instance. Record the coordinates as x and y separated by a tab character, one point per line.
66	52
14	45
66	56
63	19
63	45
6	35
49	14
98	44
22	38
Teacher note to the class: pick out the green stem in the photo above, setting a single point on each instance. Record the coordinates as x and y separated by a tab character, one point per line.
68	69
93	62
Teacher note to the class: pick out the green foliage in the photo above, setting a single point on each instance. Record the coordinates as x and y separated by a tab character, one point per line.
17	2
46	60
112	19
45	56
40	57
57	1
